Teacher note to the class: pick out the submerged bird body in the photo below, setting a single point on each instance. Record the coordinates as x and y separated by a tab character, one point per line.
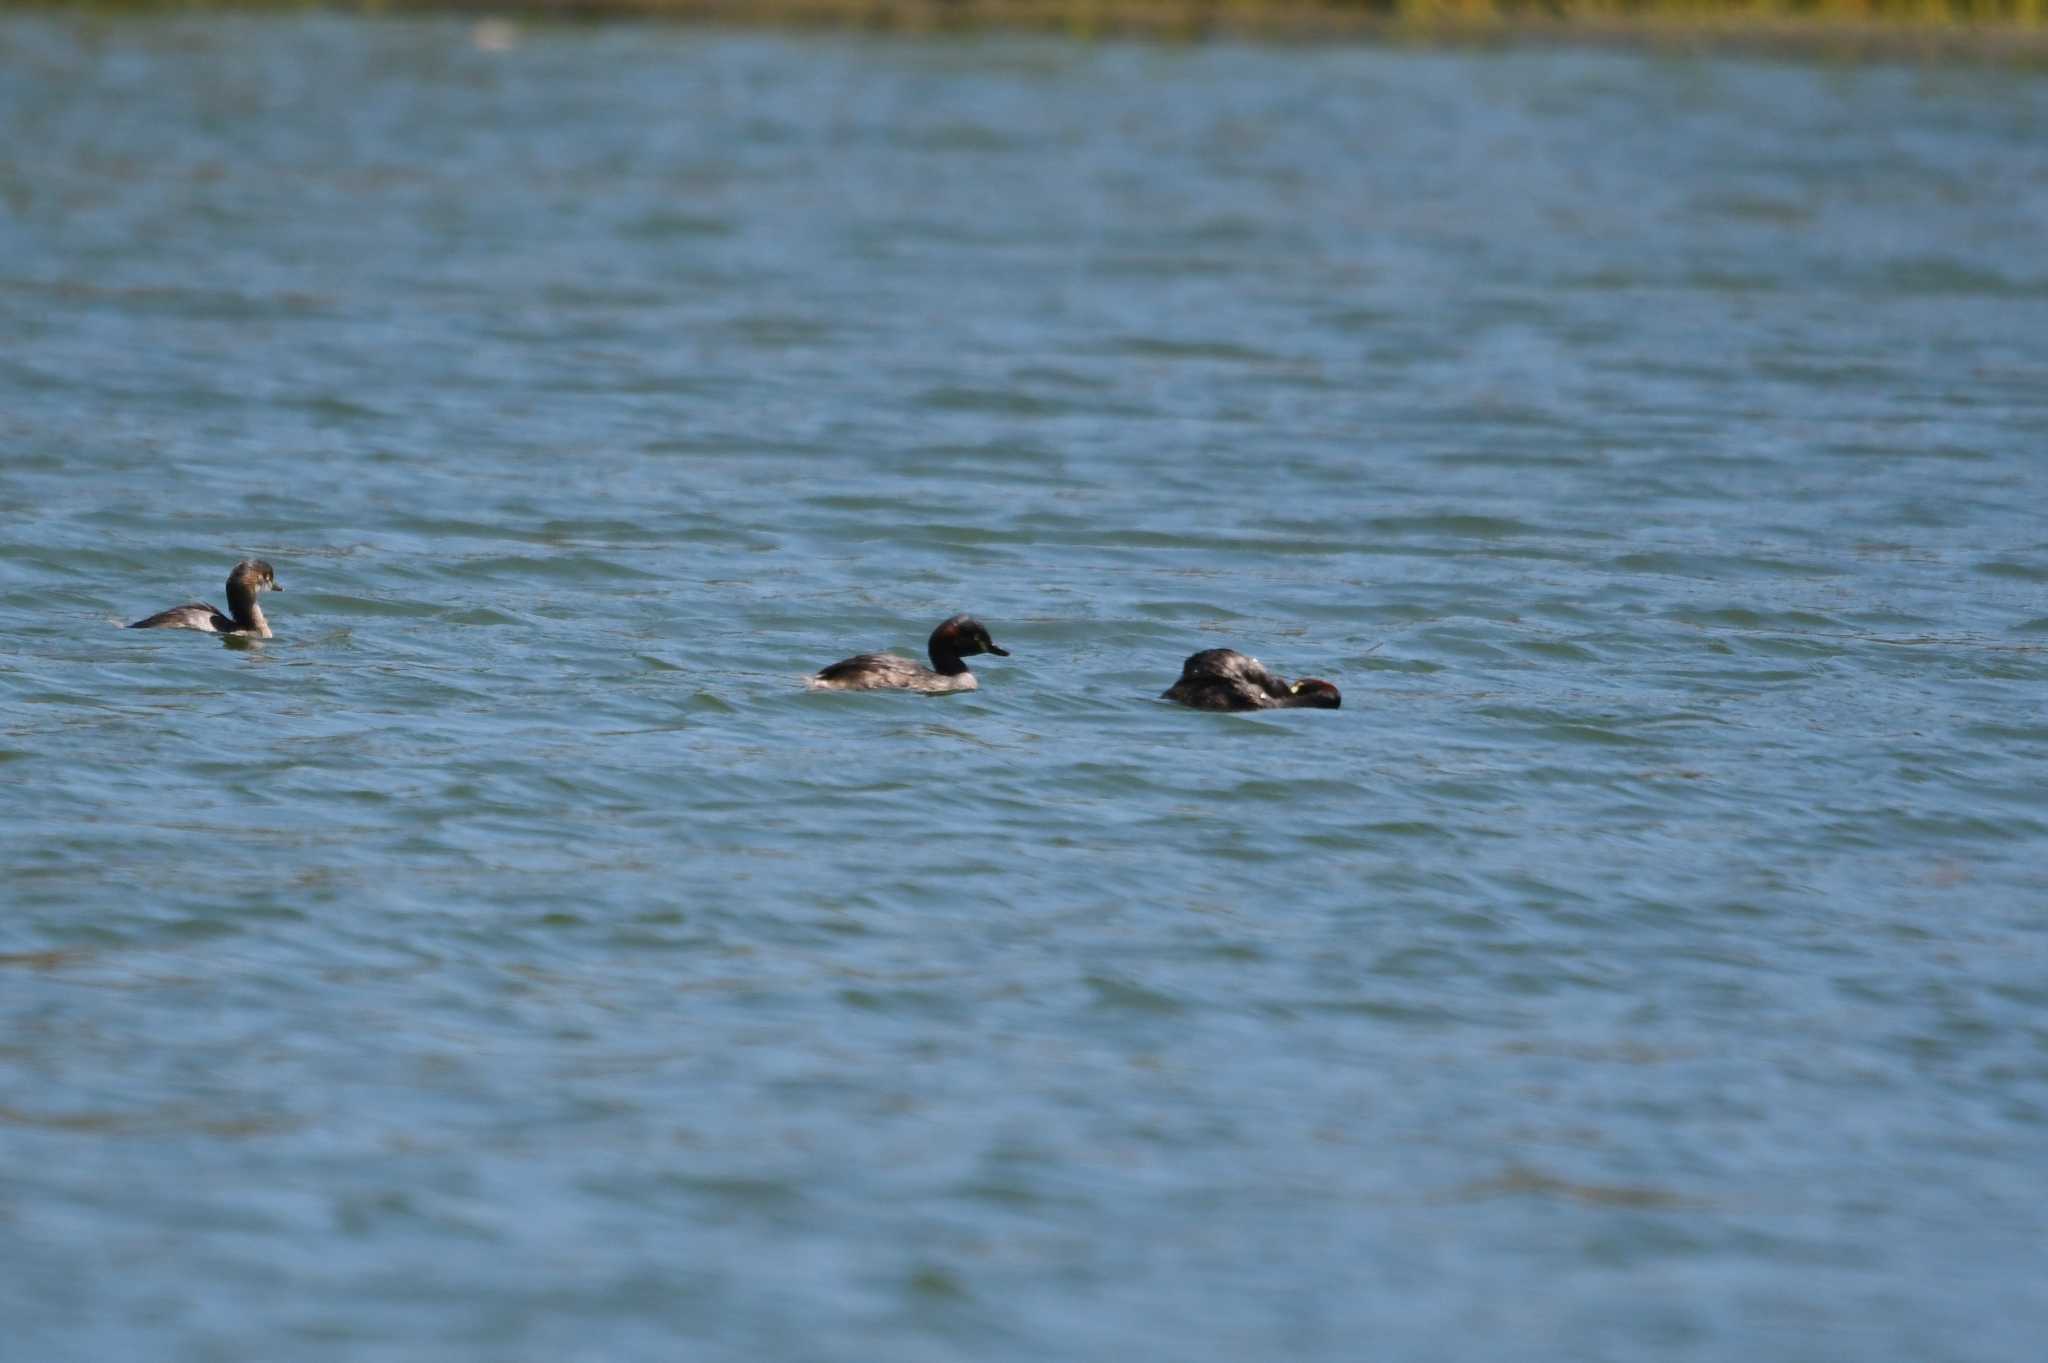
1224	679
243	615
960	637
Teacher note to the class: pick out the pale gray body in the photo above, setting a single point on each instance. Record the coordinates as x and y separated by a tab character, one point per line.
960	637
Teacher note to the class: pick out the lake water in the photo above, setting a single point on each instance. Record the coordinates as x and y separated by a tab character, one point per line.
511	961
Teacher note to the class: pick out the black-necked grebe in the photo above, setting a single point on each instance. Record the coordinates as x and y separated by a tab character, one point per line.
244	616
1224	679
960	637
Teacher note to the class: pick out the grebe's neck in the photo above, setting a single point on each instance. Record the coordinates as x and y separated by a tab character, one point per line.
945	662
248	615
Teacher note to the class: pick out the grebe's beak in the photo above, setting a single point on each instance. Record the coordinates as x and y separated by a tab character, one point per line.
276	586
999	652
1319	693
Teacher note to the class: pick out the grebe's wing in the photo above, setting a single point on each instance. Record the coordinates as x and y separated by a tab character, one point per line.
192	615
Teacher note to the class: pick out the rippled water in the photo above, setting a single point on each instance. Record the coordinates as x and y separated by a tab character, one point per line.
510	960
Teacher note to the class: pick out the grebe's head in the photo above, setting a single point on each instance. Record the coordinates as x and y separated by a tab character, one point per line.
1315	694
964	636
255	575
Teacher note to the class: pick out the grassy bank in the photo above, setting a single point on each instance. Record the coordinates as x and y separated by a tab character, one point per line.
1998	30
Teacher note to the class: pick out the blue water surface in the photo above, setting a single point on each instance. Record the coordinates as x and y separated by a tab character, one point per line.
511	960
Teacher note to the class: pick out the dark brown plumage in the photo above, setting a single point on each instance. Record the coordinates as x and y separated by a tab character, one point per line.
1224	679
243	615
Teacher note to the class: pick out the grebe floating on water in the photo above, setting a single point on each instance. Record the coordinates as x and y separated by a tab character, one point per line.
1224	679
244	616
963	636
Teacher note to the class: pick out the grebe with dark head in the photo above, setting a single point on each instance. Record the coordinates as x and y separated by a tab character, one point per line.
244	616
1224	679
963	636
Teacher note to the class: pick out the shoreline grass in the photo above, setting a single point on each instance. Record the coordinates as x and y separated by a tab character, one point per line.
2013	32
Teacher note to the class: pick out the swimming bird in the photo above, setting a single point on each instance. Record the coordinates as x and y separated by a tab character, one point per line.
963	636
1224	679
244	616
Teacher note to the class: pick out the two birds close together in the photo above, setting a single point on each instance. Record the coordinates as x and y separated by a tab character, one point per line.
1214	679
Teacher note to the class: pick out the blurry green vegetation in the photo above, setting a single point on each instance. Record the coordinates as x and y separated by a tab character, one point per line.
2011	30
